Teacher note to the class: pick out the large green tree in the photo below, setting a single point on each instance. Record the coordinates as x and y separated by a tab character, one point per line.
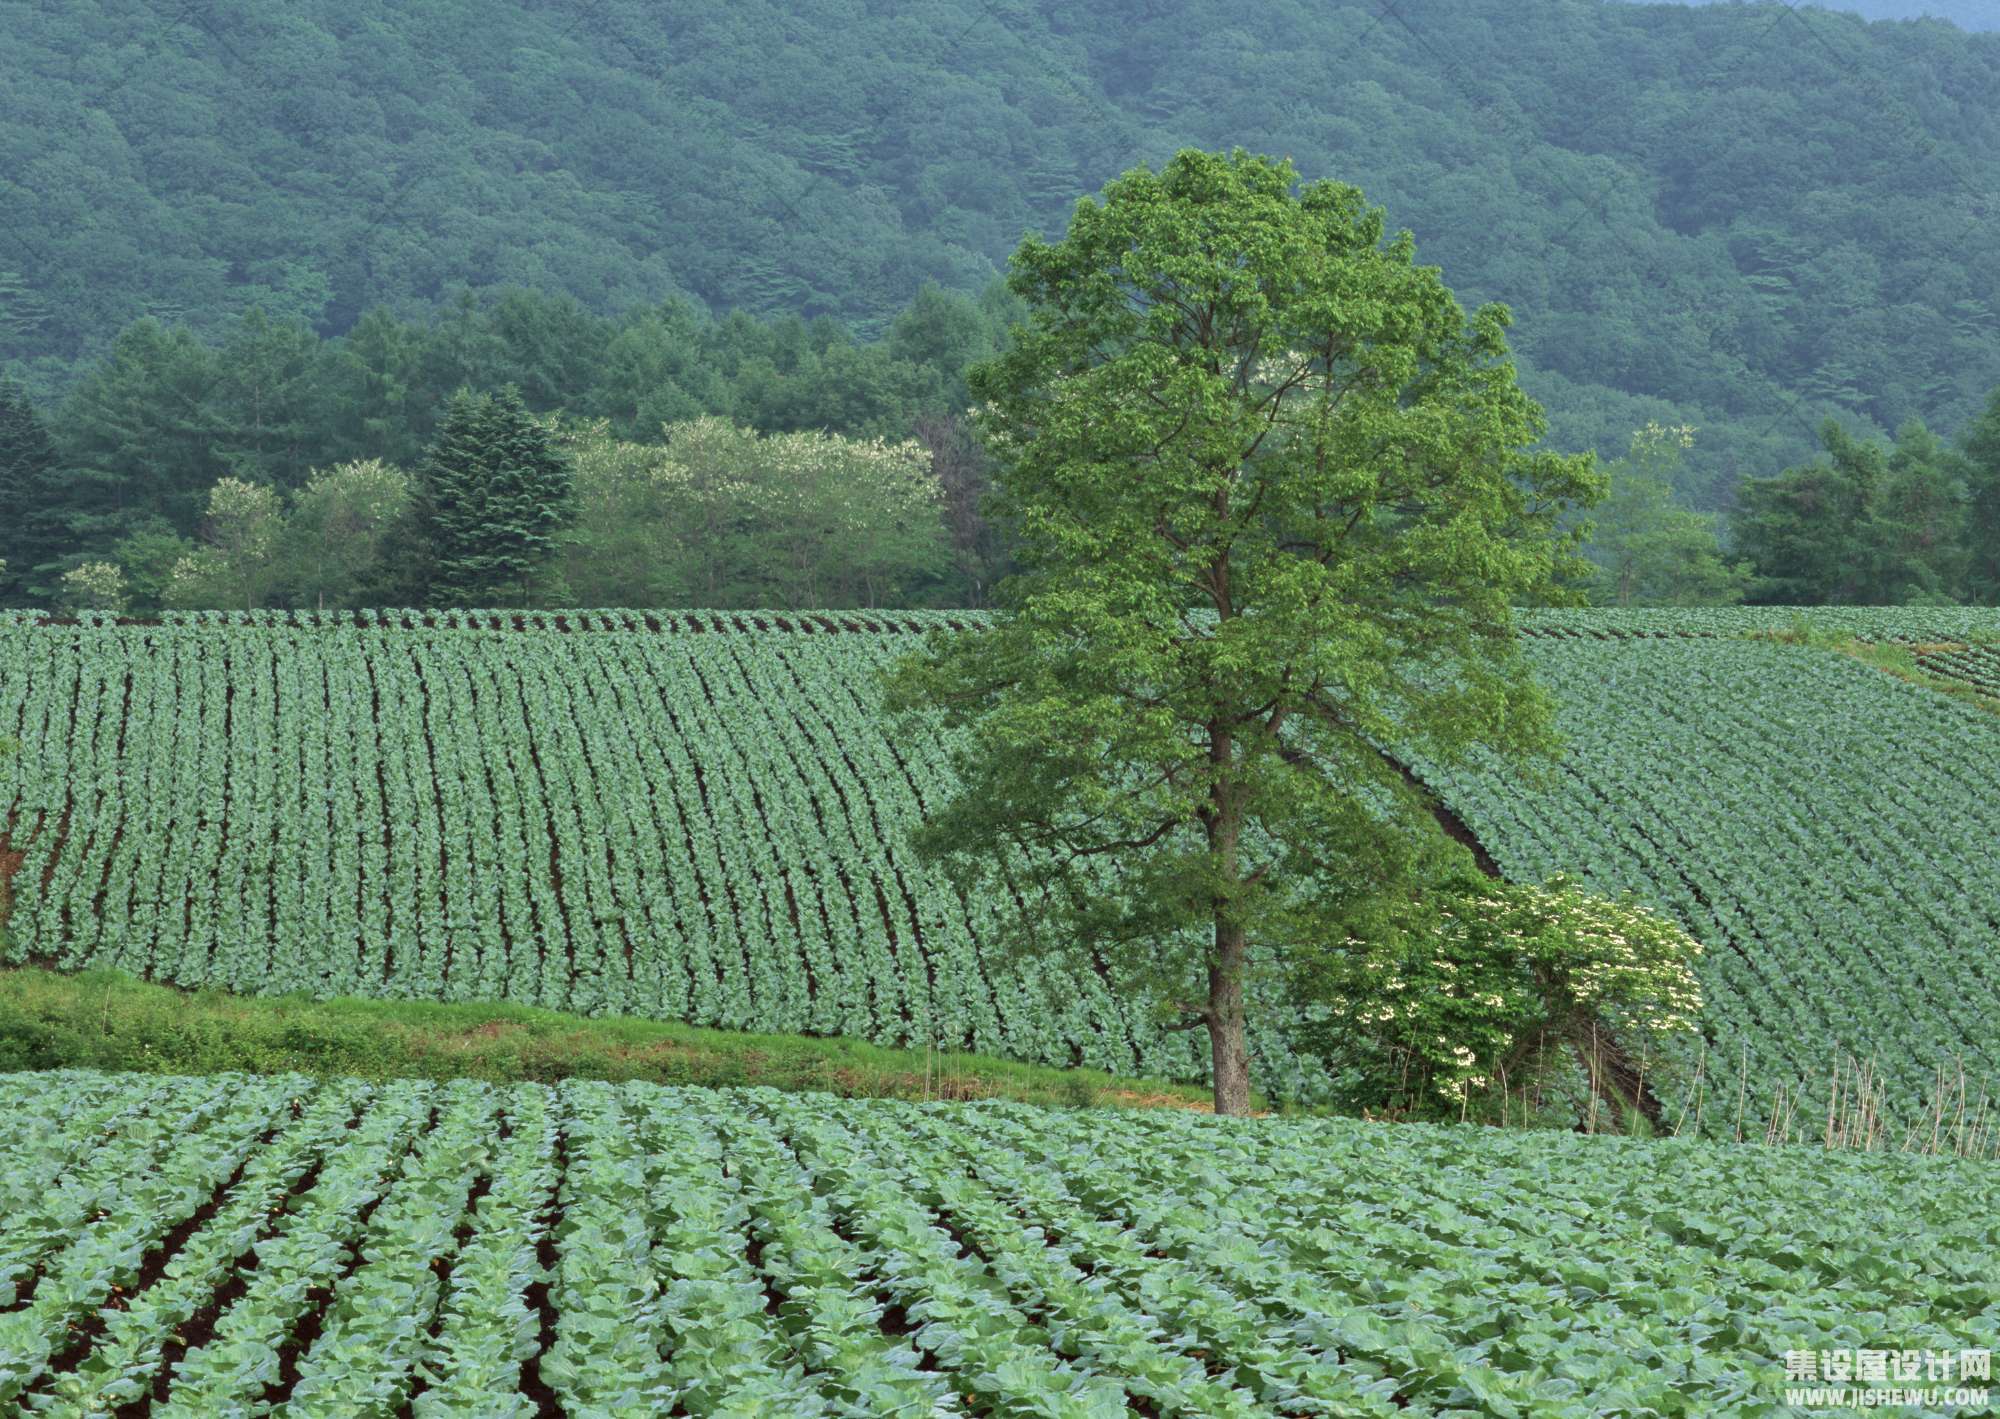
1276	495
143	437
492	494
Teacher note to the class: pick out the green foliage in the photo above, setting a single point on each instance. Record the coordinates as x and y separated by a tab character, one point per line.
1980	449
490	498
1274	503
8	748
28	484
717	515
150	556
1831	624
696	817
93	586
1649	549
334	546
1815	823
1808	221
1480	980
1866	526
691	818
164	418
1977	667
238	563
142	436
465	1248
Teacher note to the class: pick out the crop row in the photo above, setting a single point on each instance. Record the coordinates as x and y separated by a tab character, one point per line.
704	827
1919	624
610	619
242	1246
712	826
1871	623
1825	829
1974	665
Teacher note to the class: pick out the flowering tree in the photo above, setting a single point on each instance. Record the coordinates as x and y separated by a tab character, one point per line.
93	586
237	563
1481	981
337	532
720	515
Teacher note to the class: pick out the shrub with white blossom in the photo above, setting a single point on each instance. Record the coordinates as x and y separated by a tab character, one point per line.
1489	981
93	586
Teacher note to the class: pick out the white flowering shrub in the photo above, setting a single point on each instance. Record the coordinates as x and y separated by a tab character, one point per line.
237	561
1486	981
93	586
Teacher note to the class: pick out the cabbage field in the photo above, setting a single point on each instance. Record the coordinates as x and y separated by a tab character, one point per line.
699	819
703	816
1977	666
1825	829
241	1245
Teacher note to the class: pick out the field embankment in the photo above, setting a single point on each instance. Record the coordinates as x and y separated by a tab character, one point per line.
107	1021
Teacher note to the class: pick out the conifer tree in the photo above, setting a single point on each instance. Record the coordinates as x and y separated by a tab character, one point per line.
1980	446
27	468
493	494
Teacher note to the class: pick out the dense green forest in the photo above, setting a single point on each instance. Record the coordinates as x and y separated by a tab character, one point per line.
1967	14
1740	218
740	462
682	461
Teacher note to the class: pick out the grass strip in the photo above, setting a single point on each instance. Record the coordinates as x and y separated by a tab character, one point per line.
110	1021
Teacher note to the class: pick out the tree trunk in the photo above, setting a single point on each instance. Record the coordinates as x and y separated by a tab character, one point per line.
1229	1053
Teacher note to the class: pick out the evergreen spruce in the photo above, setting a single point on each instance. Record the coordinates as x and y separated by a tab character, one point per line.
1980	445
493	494
27	470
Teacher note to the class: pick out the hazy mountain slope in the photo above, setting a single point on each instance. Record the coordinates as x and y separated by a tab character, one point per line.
1966	14
1697	214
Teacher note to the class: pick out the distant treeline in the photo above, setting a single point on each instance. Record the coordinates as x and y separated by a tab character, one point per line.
1742	217
288	456
517	449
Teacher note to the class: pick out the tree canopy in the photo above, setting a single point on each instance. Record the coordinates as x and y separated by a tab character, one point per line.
1868	524
1276	494
1650	550
125	469
492	494
1747	218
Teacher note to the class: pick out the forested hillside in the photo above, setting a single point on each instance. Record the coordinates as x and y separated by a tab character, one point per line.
1966	14
1728	217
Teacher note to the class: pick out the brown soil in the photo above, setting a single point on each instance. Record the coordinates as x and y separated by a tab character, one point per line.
10	863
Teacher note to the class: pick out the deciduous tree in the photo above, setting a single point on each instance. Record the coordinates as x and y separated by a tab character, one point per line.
1276	496
1650	550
